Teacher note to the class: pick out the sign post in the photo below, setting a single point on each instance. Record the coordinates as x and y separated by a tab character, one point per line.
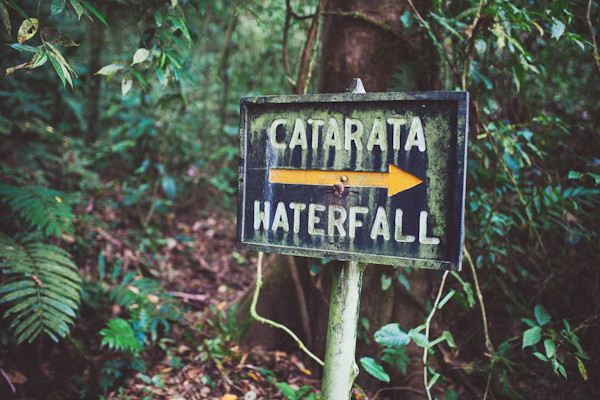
357	177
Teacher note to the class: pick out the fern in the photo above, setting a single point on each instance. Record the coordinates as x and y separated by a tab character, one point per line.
42	289
120	336
46	209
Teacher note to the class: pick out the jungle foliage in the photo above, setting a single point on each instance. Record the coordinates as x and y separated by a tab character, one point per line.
130	106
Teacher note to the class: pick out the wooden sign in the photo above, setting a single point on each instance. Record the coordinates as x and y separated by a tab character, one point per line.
376	177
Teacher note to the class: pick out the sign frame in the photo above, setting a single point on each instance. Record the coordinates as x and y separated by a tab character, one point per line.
252	108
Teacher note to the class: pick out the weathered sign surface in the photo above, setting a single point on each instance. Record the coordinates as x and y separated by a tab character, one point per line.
376	177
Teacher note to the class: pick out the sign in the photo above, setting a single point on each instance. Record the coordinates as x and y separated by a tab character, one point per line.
375	177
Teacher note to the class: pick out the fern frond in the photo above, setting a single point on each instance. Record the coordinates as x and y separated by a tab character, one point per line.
42	289
121	336
46	209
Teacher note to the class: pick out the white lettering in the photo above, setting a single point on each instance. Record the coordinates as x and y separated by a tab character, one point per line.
313	219
416	136
349	135
423	231
336	222
316	125
381	225
396	122
273	133
297	207
333	137
398	236
377	136
261	216
354	223
280	220
299	135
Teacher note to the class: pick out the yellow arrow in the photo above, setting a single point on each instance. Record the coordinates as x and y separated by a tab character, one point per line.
396	180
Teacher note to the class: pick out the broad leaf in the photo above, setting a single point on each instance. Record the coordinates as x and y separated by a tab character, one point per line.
126	84
78	8
140	56
541	315
392	336
550	348
558	28
28	28
532	336
57	7
371	366
57	37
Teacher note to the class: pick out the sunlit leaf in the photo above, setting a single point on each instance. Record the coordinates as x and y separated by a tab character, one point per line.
57	7
126	84
371	366
392	336
24	47
582	369
28	28
532	336
550	348
78	8
558	28
140	56
57	37
5	18
109	71
41	60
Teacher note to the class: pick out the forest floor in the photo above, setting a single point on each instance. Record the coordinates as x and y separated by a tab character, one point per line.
195	260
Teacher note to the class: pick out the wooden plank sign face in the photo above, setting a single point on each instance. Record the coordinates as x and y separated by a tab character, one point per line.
375	177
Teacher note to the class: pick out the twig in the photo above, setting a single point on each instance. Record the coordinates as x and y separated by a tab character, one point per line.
8	380
427	326
406	388
488	341
591	28
200	298
257	317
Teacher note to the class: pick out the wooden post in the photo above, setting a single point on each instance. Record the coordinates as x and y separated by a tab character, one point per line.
340	369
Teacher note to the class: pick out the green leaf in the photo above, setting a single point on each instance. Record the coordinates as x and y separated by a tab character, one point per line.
420	339
449	339
558	28
96	13
550	348
541	356
78	8
109	71
376	370
59	70
57	7
446	298
41	60
392	336
168	185
140	56
386	282
541	315
24	47
582	369
532	336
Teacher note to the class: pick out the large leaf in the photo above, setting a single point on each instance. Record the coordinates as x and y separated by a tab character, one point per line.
531	336
42	288
28	29
392	336
376	370
541	315
57	7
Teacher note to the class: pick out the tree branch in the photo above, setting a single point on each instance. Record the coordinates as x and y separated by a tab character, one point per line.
591	28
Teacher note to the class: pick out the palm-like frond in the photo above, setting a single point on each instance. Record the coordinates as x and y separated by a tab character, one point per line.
42	289
44	208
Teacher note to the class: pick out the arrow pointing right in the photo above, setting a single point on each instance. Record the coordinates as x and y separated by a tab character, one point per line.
396	180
